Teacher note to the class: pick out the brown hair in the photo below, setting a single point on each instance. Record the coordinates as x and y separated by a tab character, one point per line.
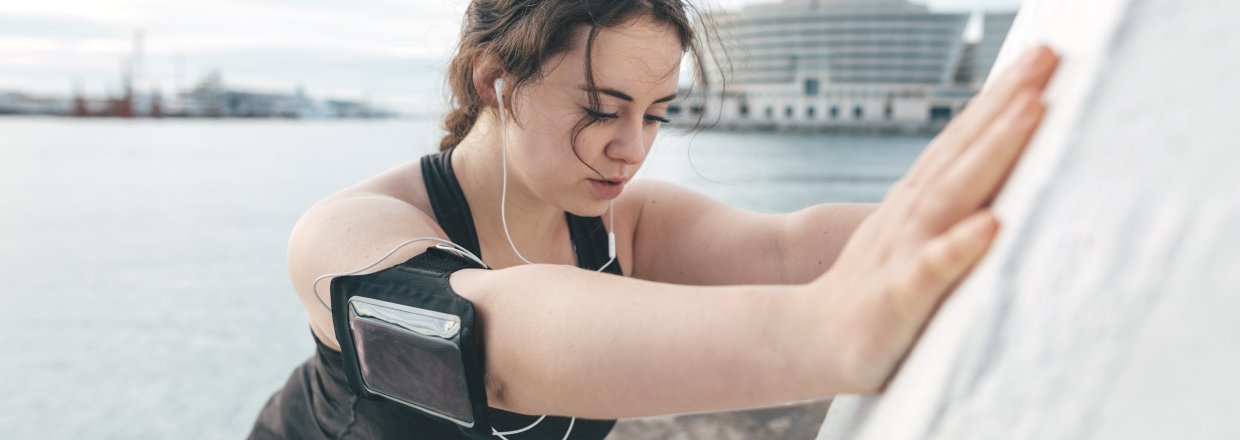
524	34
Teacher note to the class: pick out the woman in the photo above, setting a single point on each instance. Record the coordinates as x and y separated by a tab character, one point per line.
718	308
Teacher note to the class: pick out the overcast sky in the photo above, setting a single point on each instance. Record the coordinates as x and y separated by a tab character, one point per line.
390	51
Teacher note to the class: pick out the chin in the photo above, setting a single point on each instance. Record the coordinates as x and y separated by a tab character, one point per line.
593	208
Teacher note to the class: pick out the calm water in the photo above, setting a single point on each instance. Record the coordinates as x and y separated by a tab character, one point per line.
142	262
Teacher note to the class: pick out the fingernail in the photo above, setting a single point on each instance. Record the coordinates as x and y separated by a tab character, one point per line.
1033	61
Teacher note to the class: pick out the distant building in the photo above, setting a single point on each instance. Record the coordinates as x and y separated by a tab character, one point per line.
995	27
884	65
21	103
210	98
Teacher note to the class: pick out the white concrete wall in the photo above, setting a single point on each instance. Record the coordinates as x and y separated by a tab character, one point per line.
1110	304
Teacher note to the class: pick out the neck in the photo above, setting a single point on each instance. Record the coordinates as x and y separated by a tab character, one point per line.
537	228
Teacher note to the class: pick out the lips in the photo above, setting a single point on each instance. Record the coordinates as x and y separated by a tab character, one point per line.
608	189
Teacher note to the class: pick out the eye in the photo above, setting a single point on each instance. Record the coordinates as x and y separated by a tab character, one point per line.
652	119
599	116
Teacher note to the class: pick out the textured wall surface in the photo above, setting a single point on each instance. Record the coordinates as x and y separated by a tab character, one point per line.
1110	304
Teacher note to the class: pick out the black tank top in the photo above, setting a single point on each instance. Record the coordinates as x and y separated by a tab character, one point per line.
317	403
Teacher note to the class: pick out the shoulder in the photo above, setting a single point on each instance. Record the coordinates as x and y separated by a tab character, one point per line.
651	215
645	193
403	182
666	203
639	196
646	186
389	202
351	229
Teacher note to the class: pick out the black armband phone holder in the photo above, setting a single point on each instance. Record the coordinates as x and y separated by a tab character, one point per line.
407	337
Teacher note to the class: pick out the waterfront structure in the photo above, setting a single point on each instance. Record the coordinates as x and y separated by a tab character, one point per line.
995	27
15	103
886	65
210	98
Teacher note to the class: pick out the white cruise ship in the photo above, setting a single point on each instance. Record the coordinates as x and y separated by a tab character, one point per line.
884	65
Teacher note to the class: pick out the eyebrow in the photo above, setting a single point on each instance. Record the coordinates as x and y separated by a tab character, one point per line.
618	94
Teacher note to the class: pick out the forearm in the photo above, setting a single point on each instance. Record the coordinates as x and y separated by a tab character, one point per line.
565	341
813	237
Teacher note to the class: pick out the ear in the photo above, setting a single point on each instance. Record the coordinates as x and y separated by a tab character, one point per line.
486	69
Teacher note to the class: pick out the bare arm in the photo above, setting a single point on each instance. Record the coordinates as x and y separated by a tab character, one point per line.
682	236
812	238
565	341
561	340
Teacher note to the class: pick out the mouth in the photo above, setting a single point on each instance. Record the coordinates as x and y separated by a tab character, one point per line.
610	188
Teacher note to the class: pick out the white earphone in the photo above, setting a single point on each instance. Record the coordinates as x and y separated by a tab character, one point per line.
611	245
503	206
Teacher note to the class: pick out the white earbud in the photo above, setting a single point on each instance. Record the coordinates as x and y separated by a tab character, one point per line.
611	248
503	215
503	120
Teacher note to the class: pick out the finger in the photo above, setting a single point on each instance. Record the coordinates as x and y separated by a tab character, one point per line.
943	261
979	173
1034	71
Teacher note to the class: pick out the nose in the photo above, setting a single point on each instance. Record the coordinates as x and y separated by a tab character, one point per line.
629	143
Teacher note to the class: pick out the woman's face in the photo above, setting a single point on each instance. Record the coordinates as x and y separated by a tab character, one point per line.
636	68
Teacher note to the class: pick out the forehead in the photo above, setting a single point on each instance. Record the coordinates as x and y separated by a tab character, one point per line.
640	56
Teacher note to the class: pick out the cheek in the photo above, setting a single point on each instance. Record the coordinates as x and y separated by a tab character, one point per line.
563	142
546	150
592	140
652	131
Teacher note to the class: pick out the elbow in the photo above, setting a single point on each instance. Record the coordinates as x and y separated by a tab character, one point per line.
497	393
496	307
517	318
502	394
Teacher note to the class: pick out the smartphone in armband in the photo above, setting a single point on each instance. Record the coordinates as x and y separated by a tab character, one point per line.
408	338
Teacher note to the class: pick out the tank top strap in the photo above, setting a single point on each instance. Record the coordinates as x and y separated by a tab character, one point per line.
448	201
589	239
588	235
